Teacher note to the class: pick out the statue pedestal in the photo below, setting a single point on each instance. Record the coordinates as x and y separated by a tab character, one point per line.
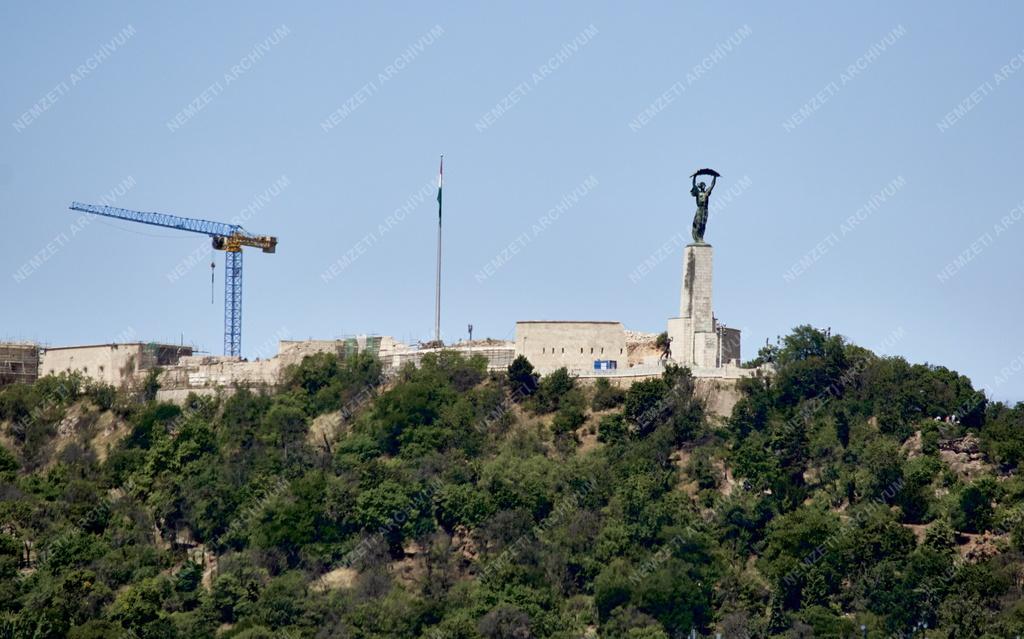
694	334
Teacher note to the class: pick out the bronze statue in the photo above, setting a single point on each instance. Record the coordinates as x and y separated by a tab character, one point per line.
702	193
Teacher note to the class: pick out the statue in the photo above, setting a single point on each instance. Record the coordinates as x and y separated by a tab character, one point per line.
702	193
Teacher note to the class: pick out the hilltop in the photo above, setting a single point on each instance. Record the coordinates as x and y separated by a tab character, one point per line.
446	500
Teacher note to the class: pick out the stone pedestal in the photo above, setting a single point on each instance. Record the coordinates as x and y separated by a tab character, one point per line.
695	340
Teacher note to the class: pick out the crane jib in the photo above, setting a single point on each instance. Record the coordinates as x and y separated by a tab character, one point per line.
206	227
227	237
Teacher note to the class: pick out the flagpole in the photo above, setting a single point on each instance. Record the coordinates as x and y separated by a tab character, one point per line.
437	298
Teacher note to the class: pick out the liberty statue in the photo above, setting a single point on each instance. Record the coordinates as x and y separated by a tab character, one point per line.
702	193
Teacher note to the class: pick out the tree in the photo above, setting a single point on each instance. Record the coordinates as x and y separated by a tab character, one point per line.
152	384
1003	434
227	597
567	420
284	426
612	429
281	602
646	404
973	511
462	504
387	510
8	462
522	377
505	622
555	390
767	354
606	396
879	474
751	412
796	552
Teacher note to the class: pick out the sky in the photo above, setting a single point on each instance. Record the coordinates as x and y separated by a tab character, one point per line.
869	155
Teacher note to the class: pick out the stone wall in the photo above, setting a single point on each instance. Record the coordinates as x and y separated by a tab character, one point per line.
116	364
499	354
209	372
718	393
550	345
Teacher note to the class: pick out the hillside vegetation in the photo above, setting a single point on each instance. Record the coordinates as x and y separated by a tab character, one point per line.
847	489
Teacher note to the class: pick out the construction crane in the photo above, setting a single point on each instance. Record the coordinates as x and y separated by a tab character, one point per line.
229	238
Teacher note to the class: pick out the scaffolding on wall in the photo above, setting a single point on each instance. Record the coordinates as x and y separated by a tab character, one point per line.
19	363
348	346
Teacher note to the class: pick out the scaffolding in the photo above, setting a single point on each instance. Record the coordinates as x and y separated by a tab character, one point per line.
153	355
19	363
349	346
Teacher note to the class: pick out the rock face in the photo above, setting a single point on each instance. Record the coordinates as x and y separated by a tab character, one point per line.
968	445
641	348
964	457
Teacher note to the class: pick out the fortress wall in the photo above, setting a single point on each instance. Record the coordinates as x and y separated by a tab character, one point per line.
210	371
719	394
550	345
115	364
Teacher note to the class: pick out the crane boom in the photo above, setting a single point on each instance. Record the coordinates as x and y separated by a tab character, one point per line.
206	227
229	238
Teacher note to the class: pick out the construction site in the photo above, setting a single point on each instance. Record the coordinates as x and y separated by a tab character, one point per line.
585	348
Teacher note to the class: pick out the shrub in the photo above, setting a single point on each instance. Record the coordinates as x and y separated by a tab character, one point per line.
606	396
522	377
568	420
612	429
554	390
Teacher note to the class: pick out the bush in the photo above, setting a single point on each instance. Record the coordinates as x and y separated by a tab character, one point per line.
613	429
522	377
973	511
327	382
606	396
568	420
463	504
8	462
103	395
645	404
151	385
554	391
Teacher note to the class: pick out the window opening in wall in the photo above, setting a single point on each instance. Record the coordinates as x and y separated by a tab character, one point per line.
563	349
591	350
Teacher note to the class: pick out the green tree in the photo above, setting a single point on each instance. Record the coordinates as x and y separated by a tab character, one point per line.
151	384
606	396
522	377
973	511
646	404
555	390
612	429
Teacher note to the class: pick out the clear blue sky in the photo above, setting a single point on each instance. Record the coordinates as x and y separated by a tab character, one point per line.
565	123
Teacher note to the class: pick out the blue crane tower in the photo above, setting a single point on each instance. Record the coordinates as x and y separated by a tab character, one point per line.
229	238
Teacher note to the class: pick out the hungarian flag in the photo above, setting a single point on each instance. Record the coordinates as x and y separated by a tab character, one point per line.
440	181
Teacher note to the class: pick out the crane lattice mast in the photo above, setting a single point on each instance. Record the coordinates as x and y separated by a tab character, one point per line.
229	238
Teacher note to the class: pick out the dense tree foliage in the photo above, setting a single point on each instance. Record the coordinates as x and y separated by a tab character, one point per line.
845	489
